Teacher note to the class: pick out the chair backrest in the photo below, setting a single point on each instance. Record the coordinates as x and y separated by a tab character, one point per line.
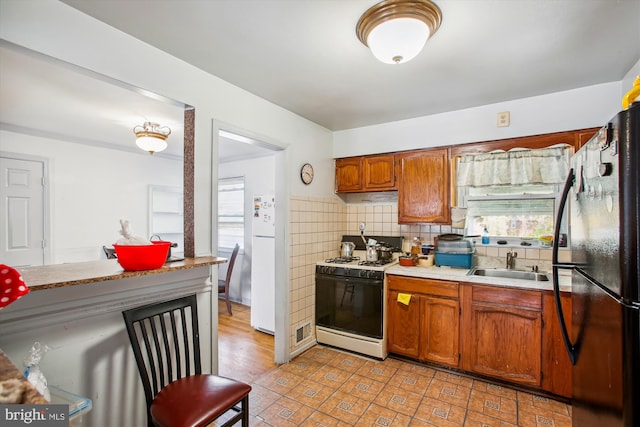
232	261
165	341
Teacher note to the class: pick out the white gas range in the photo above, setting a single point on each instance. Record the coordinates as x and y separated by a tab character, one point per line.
351	300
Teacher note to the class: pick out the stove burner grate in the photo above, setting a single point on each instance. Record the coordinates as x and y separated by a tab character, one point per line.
342	260
378	263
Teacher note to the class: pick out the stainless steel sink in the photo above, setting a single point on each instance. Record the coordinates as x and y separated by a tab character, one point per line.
508	274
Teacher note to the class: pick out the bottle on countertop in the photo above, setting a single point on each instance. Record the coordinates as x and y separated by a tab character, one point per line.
416	246
485	236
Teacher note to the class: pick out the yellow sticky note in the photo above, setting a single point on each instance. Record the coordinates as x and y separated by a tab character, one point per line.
404	298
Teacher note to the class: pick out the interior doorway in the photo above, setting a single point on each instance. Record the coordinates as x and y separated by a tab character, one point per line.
24	210
249	164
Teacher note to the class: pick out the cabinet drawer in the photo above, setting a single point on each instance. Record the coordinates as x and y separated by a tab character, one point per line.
507	296
441	288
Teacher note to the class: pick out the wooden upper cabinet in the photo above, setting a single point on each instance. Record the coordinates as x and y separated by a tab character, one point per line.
582	137
423	187
366	173
379	173
349	175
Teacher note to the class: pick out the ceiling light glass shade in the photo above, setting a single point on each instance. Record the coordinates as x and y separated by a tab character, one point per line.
151	144
151	137
398	40
396	30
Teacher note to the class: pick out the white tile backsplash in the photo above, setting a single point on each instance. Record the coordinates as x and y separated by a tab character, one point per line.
317	225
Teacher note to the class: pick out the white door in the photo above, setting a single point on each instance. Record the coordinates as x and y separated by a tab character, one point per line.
22	208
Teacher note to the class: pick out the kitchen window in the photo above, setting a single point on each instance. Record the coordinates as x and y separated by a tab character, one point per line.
230	212
512	194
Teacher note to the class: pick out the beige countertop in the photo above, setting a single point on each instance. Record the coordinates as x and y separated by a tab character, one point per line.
460	275
71	274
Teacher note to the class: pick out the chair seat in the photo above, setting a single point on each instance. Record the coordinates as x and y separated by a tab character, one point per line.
196	400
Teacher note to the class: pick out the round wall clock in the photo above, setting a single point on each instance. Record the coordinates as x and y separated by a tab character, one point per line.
306	173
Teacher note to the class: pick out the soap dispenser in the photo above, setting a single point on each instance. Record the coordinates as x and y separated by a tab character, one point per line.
485	236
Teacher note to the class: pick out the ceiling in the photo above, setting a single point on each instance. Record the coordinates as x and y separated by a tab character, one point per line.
50	98
304	55
46	97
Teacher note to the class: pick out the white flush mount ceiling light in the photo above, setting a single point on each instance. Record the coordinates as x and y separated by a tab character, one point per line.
151	137
396	30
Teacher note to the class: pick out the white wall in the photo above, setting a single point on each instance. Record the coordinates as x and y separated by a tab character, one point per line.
91	189
259	178
90	353
574	109
630	77
58	30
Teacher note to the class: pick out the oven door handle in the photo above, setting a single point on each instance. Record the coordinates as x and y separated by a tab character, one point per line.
364	281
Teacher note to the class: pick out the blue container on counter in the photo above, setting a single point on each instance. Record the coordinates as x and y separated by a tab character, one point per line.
461	260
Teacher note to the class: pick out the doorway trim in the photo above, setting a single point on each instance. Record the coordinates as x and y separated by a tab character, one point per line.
283	160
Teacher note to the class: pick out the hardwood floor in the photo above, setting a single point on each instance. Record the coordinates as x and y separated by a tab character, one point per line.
243	353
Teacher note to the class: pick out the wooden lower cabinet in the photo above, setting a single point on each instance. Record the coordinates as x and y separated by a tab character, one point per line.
504	333
439	330
556	365
427	328
403	325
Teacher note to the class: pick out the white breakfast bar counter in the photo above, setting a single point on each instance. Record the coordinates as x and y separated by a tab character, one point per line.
76	310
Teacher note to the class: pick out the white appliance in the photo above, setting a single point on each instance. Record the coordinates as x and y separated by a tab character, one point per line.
351	299
263	260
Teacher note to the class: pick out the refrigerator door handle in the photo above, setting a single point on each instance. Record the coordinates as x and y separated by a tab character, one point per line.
571	349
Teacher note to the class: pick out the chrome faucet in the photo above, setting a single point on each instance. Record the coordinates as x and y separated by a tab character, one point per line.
511	259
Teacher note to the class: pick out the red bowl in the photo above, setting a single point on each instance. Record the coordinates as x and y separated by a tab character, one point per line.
142	257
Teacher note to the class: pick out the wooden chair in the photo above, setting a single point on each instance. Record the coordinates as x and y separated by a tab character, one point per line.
223	285
165	341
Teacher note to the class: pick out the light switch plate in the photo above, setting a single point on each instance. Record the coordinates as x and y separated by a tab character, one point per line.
503	119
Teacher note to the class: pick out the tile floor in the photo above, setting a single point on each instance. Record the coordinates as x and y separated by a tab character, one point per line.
325	387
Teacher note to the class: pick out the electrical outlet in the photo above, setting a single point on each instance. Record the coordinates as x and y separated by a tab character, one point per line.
503	119
362	226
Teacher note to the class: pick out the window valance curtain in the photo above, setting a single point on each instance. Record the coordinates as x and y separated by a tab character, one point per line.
515	167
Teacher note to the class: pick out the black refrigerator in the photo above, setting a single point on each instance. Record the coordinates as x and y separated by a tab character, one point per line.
603	342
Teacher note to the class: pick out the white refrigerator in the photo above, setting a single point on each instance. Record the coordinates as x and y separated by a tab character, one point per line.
263	261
